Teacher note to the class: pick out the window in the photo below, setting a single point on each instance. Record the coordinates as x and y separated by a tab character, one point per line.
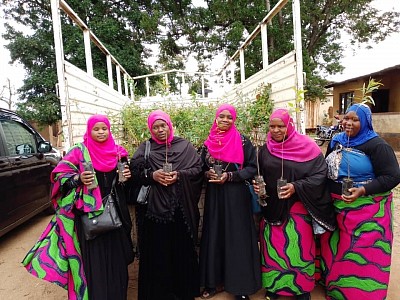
18	139
381	99
346	99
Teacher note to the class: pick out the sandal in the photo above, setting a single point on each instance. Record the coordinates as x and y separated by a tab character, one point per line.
209	293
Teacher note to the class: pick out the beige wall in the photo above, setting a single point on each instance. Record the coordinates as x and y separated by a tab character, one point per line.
388	127
390	80
386	124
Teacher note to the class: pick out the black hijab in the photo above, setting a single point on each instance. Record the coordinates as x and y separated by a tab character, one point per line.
184	194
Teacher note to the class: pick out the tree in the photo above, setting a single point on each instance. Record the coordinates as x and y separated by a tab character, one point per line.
117	23
180	29
222	25
6	93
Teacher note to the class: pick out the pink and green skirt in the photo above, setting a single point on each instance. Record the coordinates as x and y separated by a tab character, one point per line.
356	257
288	253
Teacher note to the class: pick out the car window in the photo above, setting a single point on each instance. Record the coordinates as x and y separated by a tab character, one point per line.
19	140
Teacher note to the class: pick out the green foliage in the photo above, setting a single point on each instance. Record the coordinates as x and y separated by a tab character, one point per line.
294	107
221	26
193	122
115	23
180	29
366	91
253	116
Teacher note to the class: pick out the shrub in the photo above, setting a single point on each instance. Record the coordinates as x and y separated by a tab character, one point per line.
194	122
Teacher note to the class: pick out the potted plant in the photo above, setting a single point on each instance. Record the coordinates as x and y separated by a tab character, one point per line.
257	121
366	98
167	167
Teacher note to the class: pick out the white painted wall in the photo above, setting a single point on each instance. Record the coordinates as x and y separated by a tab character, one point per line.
87	96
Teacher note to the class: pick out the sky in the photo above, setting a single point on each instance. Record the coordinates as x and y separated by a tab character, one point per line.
357	62
363	61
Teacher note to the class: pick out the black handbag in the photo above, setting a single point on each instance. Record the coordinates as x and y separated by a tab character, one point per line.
143	194
107	221
144	190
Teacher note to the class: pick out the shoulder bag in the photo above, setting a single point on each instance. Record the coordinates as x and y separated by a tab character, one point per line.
107	221
144	190
254	197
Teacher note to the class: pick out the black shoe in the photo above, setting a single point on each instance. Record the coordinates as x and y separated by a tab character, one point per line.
270	295
242	297
305	296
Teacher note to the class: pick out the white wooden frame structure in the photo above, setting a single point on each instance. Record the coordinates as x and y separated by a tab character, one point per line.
82	95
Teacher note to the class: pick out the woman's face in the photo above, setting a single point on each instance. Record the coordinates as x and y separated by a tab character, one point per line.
224	120
277	128
100	132
160	130
351	124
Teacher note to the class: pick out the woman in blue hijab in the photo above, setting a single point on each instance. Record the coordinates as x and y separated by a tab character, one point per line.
356	257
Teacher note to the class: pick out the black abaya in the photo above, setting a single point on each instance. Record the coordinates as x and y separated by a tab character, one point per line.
106	258
229	254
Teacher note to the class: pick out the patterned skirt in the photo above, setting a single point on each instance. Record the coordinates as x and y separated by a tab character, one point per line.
356	257
288	253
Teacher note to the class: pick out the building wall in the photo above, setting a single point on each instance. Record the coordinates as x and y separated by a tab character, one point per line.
390	81
315	112
386	124
51	134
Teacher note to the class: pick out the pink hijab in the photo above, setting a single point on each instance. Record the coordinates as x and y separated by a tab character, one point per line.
160	115
104	155
225	145
296	147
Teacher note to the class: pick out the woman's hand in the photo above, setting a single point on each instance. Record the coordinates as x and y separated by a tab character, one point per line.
165	178
213	177
172	178
356	192
287	191
126	172
87	177
256	187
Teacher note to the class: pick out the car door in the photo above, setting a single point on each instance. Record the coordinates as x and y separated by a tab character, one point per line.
24	175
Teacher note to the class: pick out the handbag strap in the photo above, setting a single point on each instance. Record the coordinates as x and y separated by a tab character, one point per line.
146	156
115	196
147	151
113	189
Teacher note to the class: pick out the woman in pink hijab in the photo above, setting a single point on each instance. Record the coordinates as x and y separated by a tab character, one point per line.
229	255
89	269
287	241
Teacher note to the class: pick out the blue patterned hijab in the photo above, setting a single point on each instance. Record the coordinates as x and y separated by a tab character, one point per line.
366	131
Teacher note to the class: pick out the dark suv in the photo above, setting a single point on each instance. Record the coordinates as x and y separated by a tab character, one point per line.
26	161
